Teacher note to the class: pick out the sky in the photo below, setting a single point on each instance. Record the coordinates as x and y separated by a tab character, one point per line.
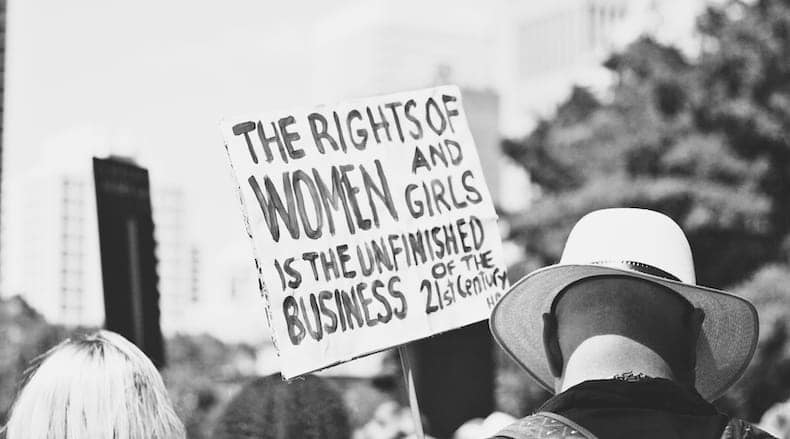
152	77
152	80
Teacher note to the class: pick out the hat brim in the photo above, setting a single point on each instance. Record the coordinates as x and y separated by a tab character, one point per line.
724	348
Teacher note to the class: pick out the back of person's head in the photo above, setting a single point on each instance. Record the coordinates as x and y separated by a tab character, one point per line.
270	408
97	385
649	314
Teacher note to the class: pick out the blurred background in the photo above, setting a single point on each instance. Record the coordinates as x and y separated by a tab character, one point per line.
681	107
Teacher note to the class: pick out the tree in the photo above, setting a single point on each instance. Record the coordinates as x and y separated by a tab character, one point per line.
24	335
767	380
644	149
704	140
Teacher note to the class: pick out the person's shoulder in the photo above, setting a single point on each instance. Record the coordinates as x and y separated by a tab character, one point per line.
740	429
543	425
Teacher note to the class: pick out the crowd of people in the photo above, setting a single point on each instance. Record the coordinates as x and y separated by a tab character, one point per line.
618	330
100	385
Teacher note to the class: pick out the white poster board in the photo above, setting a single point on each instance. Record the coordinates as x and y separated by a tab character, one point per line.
371	224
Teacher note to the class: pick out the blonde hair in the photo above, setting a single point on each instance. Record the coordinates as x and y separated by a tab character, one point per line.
98	386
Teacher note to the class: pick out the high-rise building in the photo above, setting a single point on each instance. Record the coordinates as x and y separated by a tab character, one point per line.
195	277
382	46
60	271
482	108
369	47
178	257
515	60
554	47
128	263
529	53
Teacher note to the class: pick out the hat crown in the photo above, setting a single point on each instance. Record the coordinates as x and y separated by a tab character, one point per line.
635	237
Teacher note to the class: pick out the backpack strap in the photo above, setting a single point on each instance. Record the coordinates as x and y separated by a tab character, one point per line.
546	425
740	429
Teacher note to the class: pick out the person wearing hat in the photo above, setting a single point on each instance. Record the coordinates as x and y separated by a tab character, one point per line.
620	331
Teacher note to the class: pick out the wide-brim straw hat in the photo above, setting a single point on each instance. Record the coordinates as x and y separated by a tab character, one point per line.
634	243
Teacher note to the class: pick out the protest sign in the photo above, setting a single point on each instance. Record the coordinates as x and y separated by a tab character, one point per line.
371	224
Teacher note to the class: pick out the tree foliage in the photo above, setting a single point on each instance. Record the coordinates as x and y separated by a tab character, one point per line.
24	335
704	140
767	380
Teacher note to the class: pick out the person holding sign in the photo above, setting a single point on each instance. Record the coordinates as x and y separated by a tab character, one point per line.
624	336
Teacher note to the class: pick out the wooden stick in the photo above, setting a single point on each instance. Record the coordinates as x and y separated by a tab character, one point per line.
409	377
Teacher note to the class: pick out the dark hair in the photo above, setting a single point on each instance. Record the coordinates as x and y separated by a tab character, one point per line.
270	408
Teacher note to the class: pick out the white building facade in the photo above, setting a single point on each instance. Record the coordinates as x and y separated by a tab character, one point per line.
58	270
525	54
61	275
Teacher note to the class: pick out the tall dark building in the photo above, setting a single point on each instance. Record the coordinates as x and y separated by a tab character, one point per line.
128	261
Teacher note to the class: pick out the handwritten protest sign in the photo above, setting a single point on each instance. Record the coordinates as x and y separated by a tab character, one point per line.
370	221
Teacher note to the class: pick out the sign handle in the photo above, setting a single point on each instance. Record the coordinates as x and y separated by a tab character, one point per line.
409	377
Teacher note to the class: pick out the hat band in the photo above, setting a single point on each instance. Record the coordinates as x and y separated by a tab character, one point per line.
638	266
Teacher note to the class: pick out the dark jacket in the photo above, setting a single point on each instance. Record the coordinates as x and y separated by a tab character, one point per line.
647	409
